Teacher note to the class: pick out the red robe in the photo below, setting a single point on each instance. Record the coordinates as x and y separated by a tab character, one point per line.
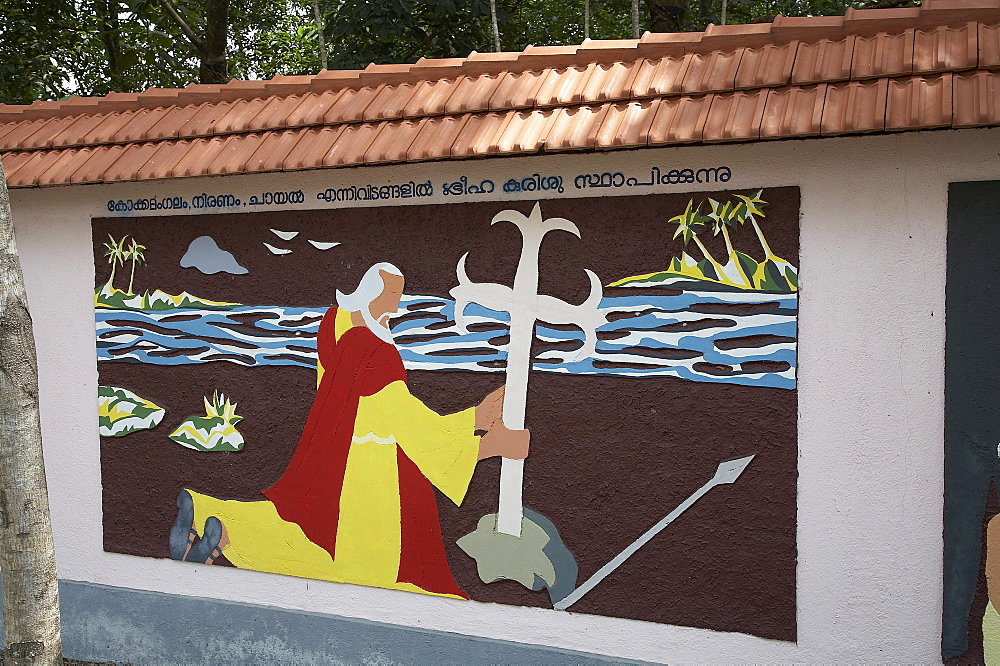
308	493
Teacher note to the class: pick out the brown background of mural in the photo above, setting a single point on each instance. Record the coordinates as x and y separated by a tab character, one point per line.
610	455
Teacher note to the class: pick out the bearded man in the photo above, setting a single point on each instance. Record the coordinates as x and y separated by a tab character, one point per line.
356	503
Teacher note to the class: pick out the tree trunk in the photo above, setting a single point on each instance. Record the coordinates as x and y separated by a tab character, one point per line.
635	19
108	10
666	15
495	27
27	556
214	65
323	64
586	19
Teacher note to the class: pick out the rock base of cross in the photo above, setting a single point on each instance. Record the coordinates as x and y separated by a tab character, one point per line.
538	559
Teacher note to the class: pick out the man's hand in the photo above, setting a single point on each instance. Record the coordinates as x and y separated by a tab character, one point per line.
499	441
490	411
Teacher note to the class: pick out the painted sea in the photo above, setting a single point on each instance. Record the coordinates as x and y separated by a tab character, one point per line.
746	338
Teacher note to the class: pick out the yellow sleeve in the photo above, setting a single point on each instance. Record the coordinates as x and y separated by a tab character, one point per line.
444	448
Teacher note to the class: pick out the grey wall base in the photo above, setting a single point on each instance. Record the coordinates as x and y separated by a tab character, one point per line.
117	624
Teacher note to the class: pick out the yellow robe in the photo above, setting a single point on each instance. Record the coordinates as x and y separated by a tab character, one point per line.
444	448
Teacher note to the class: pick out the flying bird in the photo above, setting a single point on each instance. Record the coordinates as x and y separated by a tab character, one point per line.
320	245
277	250
285	235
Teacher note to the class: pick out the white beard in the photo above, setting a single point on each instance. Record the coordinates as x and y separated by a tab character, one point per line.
381	332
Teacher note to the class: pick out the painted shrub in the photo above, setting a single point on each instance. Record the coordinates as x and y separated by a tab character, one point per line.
652	360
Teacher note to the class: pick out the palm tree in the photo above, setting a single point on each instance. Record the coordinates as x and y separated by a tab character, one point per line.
115	252
135	255
754	207
724	216
689	224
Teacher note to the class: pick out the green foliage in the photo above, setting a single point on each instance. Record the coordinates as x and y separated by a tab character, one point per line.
216	431
120	412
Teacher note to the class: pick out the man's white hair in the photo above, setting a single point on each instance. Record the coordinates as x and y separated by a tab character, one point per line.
369	288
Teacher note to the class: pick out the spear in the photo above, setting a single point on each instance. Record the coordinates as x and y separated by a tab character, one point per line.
727	472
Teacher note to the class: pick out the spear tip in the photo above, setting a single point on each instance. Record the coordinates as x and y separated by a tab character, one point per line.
730	470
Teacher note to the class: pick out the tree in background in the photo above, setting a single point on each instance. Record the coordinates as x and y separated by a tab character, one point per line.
50	49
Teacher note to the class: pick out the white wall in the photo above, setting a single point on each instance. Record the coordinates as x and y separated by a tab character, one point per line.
871	380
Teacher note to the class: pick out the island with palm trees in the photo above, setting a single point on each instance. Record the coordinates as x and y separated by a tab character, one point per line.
740	270
121	251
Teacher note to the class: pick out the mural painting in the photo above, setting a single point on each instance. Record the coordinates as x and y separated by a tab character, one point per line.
580	404
971	623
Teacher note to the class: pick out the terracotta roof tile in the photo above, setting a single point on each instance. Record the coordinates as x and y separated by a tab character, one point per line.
655	45
59	171
275	113
868	71
606	51
660	77
854	106
15	160
680	120
735	116
478	134
202	153
733	36
977	99
352	144
627	124
944	49
52	128
766	66
31	172
239	117
429	98
350	107
517	90
6	129
436	138
392	143
808	29
273	150
712	72
389	102
989	45
562	86
21	134
473	93
164	158
919	101
104	131
874	21
793	111
138	124
576	128
236	153
312	146
883	54
525	131
610	82
823	60
92	169
313	108
130	162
